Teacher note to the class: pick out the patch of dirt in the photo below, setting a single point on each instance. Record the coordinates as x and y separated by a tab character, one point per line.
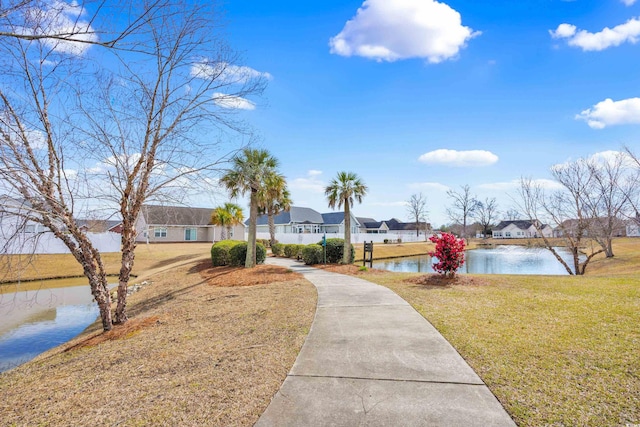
240	276
440	280
129	329
194	353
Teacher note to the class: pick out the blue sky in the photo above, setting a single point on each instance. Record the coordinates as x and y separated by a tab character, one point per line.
510	88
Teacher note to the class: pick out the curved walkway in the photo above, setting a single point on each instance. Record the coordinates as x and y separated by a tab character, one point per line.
370	359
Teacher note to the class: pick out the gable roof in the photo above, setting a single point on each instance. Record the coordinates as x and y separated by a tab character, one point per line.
296	215
363	220
396	225
522	224
176	215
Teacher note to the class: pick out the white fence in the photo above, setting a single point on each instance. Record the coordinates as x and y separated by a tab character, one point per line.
309	238
47	243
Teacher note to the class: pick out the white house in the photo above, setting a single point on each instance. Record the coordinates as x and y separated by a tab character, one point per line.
299	220
20	235
520	229
161	224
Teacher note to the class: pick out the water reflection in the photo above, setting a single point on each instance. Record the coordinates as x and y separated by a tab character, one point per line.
508	259
32	322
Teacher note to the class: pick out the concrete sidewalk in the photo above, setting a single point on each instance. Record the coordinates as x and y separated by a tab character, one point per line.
371	360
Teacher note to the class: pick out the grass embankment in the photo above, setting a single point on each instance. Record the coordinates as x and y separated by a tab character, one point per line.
555	350
199	350
149	259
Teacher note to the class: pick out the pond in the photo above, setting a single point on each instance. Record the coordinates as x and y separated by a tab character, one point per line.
507	259
34	321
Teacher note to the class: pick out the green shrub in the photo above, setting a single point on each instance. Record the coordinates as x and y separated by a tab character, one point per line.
265	242
277	249
399	240
312	254
220	252
386	241
238	254
335	250
292	250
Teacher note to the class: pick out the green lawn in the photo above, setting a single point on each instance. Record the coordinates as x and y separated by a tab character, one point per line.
555	350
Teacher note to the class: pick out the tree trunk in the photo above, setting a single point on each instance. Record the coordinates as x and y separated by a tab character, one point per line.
250	261
94	271
346	256
272	228
126	265
223	232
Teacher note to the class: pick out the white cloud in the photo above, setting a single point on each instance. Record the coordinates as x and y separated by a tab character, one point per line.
391	30
563	31
459	158
233	102
436	186
310	183
628	2
609	113
608	37
60	18
228	73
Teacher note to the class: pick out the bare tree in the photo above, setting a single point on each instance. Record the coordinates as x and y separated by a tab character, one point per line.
511	214
613	186
417	209
486	213
463	207
75	25
74	132
566	208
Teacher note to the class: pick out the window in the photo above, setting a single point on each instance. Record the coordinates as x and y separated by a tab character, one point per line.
191	234
30	228
507	234
160	232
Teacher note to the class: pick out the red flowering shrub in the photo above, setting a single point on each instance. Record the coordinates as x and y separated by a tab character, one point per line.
450	253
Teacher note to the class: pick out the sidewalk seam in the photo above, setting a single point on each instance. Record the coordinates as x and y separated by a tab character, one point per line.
387	379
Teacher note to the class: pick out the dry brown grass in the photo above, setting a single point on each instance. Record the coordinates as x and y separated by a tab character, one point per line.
149	259
195	352
394	250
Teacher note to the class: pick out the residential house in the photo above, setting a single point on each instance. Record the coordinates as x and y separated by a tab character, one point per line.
394	226
521	229
158	223
569	227
100	225
299	220
371	226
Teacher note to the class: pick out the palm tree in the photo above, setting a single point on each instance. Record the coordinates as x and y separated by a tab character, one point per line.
250	170
274	198
226	217
343	190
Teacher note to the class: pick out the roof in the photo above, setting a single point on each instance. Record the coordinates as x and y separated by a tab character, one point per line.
362	220
98	225
395	225
522	224
295	215
372	224
332	218
176	215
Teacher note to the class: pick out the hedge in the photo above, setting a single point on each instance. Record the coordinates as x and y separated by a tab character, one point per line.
220	252
277	249
335	250
238	254
292	250
312	254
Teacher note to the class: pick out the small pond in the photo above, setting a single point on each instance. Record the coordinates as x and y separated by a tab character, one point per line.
508	259
34	321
